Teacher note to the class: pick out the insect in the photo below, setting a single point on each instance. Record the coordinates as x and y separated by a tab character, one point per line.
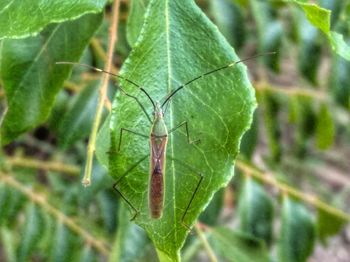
158	139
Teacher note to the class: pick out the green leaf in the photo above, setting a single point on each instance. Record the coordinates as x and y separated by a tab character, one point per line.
229	18
309	47
250	139
22	18
297	232
131	241
235	246
212	212
270	32
325	130
271	107
321	18
256	211
29	74
178	44
339	81
77	121
135	20
8	244
31	232
63	245
328	224
88	254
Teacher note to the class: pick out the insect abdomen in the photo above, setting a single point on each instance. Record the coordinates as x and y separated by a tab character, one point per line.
156	193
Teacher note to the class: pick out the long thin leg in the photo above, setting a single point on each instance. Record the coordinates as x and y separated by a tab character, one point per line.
136	212
194	192
130	131
191	200
184	123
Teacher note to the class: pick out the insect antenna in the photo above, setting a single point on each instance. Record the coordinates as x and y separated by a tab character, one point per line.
168	97
121	89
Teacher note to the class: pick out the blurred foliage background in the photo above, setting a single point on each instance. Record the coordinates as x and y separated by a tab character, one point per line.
289	199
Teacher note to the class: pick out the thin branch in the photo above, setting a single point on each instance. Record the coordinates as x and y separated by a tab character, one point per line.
113	31
205	243
44	165
40	200
284	188
291	91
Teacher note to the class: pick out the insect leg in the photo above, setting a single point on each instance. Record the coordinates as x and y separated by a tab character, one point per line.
184	123
130	131
200	179
115	187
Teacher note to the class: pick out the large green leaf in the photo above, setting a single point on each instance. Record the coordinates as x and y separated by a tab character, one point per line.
179	43
22	18
29	74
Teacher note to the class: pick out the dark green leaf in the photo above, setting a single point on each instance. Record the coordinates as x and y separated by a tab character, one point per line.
212	212
21	18
256	211
77	121
270	32
309	47
325	130
135	20
339	81
64	244
131	241
297	232
271	107
229	18
31	232
328	225
29	74
250	139
236	246
178	44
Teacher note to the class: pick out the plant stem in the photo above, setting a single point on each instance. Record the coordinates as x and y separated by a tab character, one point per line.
44	165
40	200
113	31
284	188
205	243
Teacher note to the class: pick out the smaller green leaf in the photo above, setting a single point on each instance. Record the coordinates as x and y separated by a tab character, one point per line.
131	240
328	225
24	18
250	139
309	47
271	107
298	232
256	211
135	20
77	121
88	255
212	212
235	246
229	18
321	19
64	244
4	203
339	81
325	130
108	207
31	232
8	244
